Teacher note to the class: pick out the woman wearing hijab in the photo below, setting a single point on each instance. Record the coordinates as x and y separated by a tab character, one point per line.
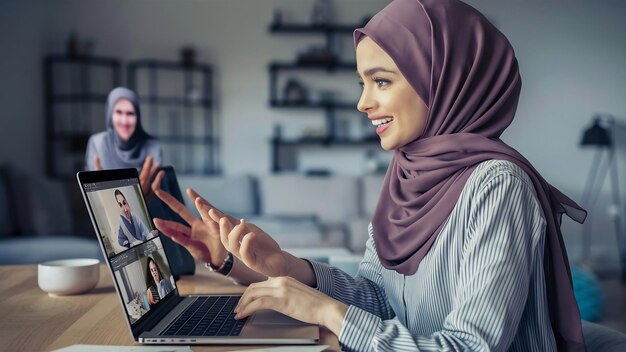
124	144
158	286
465	251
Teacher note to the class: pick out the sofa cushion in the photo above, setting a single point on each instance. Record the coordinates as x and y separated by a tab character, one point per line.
291	231
371	185
330	199
33	250
234	195
40	205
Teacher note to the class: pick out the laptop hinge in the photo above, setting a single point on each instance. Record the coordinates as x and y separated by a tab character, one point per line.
154	316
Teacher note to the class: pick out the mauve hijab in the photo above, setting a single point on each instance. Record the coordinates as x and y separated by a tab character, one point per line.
112	150
466	72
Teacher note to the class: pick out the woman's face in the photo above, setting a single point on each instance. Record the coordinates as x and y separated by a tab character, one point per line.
396	111
124	119
154	271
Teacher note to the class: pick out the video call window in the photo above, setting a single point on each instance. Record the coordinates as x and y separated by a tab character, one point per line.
144	278
133	247
121	217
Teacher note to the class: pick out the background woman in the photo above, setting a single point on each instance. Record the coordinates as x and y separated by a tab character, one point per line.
125	143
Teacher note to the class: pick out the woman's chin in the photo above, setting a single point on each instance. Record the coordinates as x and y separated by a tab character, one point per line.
124	138
387	144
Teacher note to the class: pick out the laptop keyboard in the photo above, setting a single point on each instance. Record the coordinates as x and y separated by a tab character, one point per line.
208	316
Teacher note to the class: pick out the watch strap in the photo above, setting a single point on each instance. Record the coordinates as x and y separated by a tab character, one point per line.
225	268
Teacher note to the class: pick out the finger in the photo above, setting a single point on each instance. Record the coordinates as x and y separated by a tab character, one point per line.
148	177
156	184
261	303
204	211
147	164
225	228
196	248
153	170
97	163
253	292
192	194
234	237
214	214
174	230
178	207
205	205
246	248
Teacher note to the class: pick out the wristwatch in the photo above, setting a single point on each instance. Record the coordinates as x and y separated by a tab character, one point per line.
225	268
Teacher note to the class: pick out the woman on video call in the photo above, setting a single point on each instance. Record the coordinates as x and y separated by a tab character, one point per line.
465	251
158	286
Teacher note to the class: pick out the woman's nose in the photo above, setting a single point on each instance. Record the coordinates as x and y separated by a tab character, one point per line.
365	102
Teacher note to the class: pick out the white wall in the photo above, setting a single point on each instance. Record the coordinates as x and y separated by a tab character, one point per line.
571	53
573	63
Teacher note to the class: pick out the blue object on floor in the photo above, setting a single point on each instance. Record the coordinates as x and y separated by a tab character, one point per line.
588	293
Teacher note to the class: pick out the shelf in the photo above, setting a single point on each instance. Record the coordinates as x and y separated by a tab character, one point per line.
101	61
148	76
73	86
69	136
320	105
284	152
186	139
311	28
274	66
325	141
73	98
167	65
61	136
177	101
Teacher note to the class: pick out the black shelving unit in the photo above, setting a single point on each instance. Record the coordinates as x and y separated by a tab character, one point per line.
75	91
283	151
177	108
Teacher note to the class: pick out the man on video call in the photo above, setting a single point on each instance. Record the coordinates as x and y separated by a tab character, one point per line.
132	230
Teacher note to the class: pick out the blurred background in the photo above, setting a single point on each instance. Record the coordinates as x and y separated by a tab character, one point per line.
254	105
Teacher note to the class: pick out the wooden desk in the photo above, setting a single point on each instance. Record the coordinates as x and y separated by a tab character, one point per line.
30	320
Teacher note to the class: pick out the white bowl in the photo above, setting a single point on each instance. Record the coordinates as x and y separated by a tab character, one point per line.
68	276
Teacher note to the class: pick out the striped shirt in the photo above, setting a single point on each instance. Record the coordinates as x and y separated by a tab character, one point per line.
480	287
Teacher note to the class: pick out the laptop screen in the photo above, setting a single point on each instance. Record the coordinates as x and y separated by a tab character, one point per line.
133	246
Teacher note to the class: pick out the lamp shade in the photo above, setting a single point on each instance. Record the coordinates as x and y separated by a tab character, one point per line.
596	135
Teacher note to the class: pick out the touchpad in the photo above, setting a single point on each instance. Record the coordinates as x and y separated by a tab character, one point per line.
270	317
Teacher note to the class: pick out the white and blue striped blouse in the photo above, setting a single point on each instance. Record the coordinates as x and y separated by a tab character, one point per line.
480	287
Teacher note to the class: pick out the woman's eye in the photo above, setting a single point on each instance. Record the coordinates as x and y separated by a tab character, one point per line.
381	82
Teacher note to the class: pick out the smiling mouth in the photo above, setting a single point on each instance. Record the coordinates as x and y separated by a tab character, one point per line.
383	121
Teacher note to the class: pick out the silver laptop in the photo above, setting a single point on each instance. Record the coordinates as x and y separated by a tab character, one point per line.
155	312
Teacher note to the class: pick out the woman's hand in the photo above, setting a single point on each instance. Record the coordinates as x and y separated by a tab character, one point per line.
147	172
255	248
97	165
202	237
288	296
151	300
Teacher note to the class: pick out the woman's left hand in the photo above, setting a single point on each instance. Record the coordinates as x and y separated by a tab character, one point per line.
288	296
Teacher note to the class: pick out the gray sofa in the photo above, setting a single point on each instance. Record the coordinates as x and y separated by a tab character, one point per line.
297	210
42	219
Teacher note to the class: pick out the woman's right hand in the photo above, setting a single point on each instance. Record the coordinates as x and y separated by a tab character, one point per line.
202	237
255	248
